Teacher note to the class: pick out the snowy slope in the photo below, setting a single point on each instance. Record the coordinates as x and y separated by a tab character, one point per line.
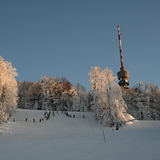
64	138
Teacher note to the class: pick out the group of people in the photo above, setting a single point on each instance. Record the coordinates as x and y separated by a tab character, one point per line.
34	120
67	114
47	115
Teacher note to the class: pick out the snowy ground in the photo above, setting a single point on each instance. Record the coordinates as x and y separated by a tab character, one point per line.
63	138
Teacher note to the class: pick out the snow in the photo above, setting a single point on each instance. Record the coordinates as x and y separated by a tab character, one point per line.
64	138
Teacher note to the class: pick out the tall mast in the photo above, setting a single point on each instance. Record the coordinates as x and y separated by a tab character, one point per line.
120	46
123	75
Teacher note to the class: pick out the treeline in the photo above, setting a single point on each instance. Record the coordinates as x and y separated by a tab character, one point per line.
111	103
52	94
143	101
106	99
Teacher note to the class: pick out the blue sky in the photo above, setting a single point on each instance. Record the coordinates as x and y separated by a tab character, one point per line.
65	38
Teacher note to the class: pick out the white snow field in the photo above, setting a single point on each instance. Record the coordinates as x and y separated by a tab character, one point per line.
64	138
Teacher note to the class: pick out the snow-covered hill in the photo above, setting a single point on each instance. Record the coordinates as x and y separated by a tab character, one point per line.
64	138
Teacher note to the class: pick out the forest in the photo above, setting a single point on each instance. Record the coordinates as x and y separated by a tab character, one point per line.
52	94
109	102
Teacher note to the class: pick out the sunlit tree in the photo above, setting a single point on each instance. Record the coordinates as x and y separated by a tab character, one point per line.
8	89
108	103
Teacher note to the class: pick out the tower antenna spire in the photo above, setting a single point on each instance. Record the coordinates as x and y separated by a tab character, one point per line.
123	75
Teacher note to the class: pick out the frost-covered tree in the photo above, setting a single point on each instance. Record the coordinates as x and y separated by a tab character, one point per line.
24	94
144	87
79	98
108	103
143	101
56	93
35	91
52	94
8	88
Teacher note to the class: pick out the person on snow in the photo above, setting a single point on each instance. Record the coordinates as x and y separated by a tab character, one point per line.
141	115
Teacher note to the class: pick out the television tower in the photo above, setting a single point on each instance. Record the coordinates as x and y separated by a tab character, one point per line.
123	75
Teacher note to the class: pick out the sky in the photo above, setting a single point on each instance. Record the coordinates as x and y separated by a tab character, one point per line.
65	38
